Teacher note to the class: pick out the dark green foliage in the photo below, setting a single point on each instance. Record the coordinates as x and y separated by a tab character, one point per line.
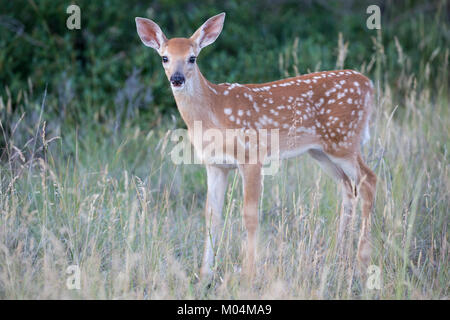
85	69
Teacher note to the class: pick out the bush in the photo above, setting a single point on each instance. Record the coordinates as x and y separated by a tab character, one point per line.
94	62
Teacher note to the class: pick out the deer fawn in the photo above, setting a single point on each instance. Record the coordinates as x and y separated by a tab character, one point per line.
325	114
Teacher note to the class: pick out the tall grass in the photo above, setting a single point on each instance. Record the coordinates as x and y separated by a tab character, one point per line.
110	200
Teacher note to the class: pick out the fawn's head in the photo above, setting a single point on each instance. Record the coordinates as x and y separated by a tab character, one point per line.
179	55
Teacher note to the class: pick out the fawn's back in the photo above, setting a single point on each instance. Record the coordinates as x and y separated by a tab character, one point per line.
323	110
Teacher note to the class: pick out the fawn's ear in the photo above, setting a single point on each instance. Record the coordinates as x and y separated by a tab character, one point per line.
209	31
150	33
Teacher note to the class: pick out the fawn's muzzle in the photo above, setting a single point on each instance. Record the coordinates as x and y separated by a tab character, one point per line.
177	79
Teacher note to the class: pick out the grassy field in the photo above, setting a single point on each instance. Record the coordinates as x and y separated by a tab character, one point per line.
104	195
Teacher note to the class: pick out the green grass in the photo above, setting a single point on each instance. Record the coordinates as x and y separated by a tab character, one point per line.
132	220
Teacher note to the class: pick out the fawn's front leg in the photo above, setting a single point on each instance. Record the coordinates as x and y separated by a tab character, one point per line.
217	183
251	176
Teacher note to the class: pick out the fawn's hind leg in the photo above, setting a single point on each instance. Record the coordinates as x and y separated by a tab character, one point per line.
365	181
347	188
367	186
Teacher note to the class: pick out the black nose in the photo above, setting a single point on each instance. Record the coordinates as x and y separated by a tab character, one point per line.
177	79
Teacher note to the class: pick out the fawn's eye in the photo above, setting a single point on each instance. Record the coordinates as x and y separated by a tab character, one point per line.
165	59
192	59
